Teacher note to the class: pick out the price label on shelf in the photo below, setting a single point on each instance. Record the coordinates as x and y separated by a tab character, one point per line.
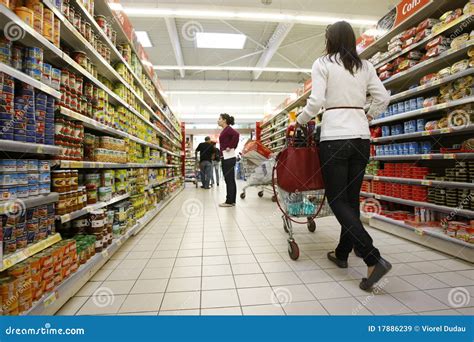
426	156
119	242
445	130
426	182
449	156
376	178
425	133
40	149
7	263
50	299
105	254
377	197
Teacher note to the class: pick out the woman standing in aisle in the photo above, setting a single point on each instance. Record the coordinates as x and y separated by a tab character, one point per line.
228	141
341	81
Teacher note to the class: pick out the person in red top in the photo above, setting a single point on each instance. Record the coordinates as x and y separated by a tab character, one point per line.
228	141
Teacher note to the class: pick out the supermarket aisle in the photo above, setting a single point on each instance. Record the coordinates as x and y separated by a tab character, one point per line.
196	258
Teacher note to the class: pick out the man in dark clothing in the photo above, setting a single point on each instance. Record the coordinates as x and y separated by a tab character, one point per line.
215	165
206	150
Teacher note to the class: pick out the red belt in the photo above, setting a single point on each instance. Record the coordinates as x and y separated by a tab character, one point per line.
344	108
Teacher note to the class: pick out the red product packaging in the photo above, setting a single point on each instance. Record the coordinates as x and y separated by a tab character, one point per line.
415	55
440	40
429	78
408	42
410	33
398	60
256	150
422	35
406	65
386	67
437	50
385	75
426	24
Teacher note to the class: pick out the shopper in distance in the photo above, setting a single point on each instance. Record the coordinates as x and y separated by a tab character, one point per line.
228	141
206	151
341	81
216	162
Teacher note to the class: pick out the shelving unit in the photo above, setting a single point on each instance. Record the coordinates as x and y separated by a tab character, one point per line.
451	135
50	303
149	108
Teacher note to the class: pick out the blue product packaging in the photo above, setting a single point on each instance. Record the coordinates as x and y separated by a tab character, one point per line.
45	177
6	116
426	147
407	106
31	139
419	102
32	165
21	165
406	126
414	148
19	137
401	107
395	109
413	104
420	125
22	178
6	135
22	191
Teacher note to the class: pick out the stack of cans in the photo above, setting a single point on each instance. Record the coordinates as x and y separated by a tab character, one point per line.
7	88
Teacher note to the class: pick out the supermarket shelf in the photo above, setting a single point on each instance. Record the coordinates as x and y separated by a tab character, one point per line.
299	101
93	124
70	34
440	208
427	110
18	146
19	256
29	80
151	186
28	36
279	139
102	7
425	182
275	133
410	93
451	130
68	164
29	202
463	21
434	156
84	211
413	74
430	237
50	303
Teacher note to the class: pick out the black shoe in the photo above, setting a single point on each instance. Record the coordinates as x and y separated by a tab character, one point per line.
380	270
202	187
217	184
339	263
357	253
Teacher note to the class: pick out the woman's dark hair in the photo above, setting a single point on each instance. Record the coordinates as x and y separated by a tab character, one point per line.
228	119
340	39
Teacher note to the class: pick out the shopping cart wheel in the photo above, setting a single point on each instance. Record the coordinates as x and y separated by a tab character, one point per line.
242	195
293	250
311	225
274	199
260	194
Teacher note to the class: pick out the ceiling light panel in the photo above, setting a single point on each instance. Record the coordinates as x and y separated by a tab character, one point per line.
144	39
207	40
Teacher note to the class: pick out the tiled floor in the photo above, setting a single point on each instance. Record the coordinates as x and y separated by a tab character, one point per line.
198	259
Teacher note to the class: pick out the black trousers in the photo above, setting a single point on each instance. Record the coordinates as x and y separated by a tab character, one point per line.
228	169
343	165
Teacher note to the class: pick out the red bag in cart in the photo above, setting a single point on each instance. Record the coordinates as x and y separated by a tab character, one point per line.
299	168
255	150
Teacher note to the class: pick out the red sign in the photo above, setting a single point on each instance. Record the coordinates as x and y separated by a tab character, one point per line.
407	8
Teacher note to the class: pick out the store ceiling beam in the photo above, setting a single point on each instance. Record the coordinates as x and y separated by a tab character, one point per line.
281	32
174	39
245	14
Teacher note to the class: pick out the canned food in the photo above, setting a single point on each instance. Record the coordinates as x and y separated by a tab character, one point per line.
80	58
26	14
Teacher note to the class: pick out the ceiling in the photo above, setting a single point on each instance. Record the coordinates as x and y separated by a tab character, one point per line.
299	45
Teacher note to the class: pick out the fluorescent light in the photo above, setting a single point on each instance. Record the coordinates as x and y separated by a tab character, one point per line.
143	38
211	92
147	63
272	16
114	6
206	40
229	68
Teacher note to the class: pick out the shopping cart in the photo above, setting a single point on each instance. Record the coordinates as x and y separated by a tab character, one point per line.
257	168
298	185
197	173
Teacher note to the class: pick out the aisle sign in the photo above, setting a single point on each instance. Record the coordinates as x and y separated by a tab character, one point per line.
408	8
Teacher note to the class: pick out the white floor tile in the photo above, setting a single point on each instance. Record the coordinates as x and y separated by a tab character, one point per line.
277	266
452	278
186	272
72	306
88	289
419	301
142	302
256	296
246	269
424	281
344	306
190	261
156	273
292	294
218	283
215	260
216	270
313	308
328	290
104	306
263	310
179	313
184	284
149	286
219	299
233	311
383	305
251	280
181	300
242	259
316	276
